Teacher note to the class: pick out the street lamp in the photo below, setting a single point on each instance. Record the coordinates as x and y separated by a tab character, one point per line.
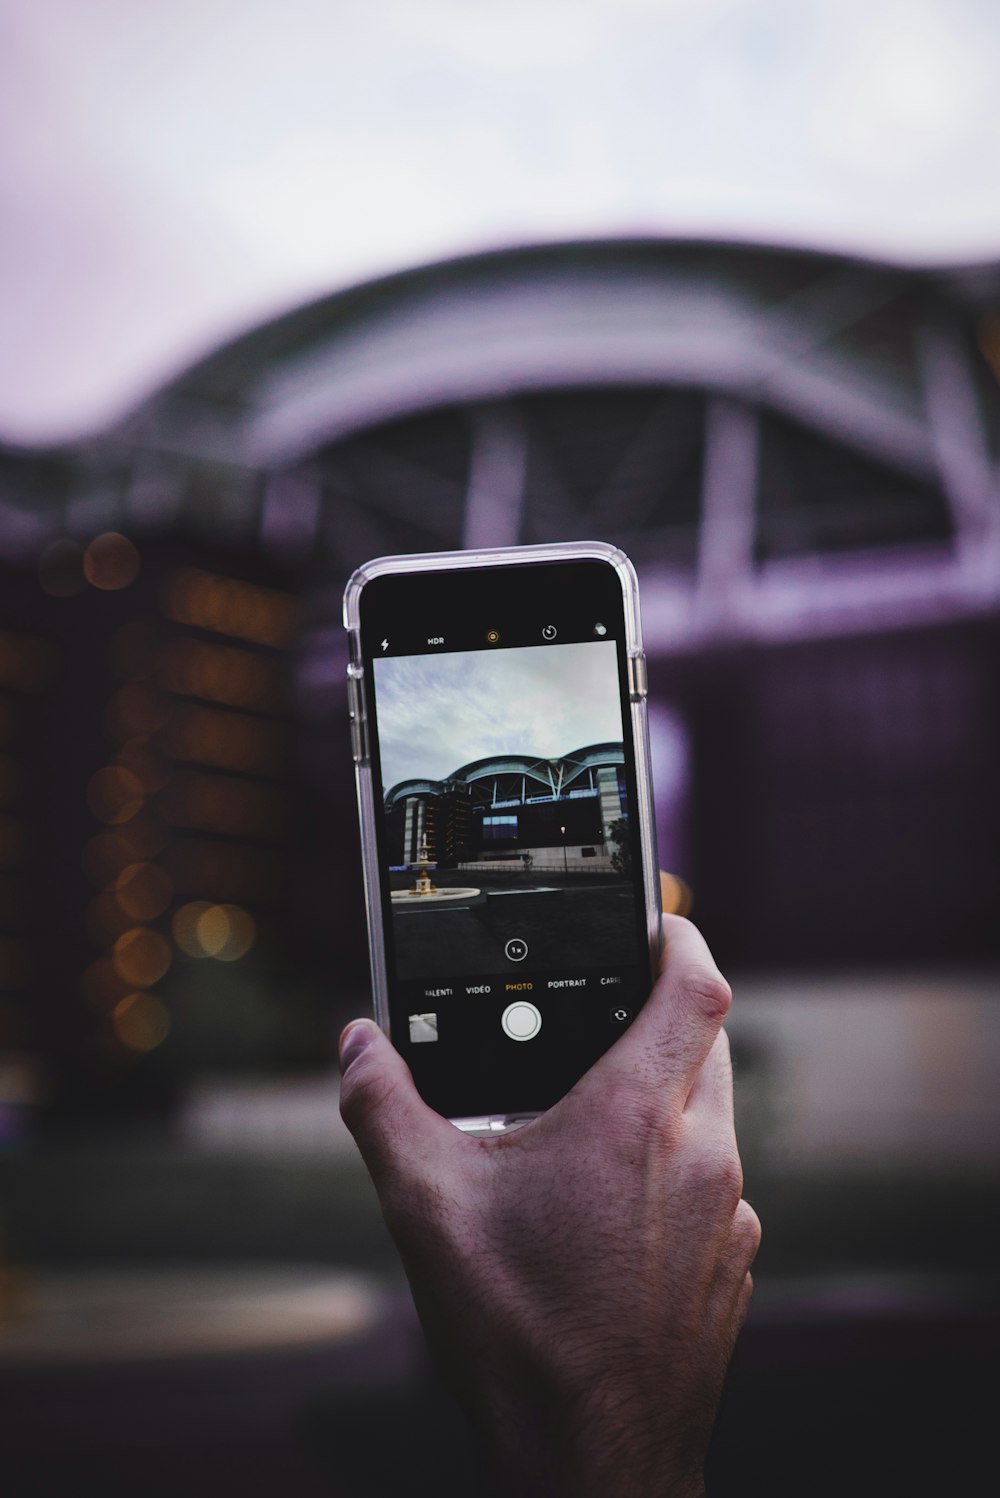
565	865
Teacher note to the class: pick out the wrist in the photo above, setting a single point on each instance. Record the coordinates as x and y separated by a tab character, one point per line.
595	1447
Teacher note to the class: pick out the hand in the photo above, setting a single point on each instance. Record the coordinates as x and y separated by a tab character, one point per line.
581	1280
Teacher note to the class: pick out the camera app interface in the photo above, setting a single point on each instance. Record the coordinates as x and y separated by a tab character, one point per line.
506	810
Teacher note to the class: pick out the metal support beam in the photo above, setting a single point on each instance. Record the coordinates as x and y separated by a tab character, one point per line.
727	527
961	447
495	497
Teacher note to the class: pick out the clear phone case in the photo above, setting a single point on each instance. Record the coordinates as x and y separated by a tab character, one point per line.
449	561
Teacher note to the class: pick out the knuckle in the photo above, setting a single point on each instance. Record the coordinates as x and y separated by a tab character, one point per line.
711	993
730	1177
721	1172
746	1233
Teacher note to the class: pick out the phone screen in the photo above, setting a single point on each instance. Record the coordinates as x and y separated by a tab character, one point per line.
512	898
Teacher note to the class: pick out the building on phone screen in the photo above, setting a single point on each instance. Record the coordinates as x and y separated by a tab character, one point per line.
565	815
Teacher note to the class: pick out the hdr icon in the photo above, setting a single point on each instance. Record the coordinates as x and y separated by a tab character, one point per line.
436	640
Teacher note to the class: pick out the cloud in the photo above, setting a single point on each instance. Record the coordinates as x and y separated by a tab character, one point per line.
437	713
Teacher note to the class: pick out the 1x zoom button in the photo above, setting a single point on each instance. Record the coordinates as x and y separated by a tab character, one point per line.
516	949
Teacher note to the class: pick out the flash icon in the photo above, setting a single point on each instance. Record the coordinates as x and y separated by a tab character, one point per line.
385	644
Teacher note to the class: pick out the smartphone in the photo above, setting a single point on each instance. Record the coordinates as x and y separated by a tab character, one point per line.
498	721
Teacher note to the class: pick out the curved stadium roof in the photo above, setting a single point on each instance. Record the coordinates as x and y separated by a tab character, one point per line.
761	429
553	773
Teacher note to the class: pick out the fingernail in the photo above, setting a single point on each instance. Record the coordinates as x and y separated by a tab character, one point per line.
356	1038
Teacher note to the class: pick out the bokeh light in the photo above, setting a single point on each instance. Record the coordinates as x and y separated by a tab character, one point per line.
221	673
114	794
227	740
145	762
138	709
111	562
184	926
227	607
143	890
675	896
146	834
141	1021
60	569
142	956
135	841
216	803
225	932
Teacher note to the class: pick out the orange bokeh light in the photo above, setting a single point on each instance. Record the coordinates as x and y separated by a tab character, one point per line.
143	891
136	710
141	1021
226	606
145	762
216	803
227	740
675	895
111	562
222	673
142	956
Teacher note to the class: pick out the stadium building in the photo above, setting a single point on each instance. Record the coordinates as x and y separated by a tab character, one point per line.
563	814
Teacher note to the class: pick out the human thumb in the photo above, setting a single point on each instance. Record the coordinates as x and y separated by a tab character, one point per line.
392	1126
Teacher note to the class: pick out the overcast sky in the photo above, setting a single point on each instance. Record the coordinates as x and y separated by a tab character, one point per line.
174	171
439	712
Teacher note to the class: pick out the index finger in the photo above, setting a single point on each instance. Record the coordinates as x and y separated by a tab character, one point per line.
672	1035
